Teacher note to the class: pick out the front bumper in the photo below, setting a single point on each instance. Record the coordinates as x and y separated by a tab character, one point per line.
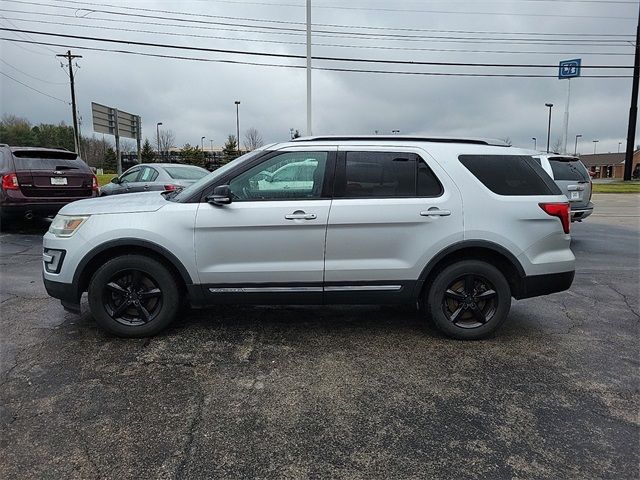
67	293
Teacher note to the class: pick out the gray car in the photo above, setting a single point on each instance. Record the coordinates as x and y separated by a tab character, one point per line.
154	176
572	177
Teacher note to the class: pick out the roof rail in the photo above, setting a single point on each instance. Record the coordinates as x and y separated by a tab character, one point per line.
410	138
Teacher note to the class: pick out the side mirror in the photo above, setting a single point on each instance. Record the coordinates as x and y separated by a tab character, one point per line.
221	195
115	180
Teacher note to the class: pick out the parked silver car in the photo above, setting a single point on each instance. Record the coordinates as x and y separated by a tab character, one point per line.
154	177
573	178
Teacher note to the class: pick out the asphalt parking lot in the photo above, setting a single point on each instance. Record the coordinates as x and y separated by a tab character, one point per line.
335	392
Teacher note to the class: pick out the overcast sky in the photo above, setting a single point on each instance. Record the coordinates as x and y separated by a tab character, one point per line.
195	98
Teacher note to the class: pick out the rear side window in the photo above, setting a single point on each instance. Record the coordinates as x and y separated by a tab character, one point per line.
45	160
568	169
186	173
386	175
510	174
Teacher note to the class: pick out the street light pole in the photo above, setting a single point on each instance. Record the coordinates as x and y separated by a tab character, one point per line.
237	102
202	144
309	122
158	136
550	106
619	144
575	149
535	143
595	142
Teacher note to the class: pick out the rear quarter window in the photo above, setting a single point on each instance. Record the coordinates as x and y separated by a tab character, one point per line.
513	175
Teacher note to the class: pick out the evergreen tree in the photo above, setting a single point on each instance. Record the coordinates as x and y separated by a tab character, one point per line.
147	154
192	155
110	162
230	150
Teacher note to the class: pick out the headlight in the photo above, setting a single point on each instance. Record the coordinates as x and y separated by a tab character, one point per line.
65	226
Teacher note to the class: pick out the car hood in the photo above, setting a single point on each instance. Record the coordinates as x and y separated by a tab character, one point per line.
125	203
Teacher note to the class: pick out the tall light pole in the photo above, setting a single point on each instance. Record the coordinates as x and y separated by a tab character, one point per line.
202	144
575	149
550	106
309	130
619	144
237	102
595	142
211	142
535	143
158	136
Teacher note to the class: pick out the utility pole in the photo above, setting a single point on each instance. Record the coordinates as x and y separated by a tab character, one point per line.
76	135
633	110
309	123
237	102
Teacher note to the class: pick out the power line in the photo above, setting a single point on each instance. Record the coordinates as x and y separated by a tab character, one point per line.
284	42
292	56
29	86
240	62
349	8
31	76
333	34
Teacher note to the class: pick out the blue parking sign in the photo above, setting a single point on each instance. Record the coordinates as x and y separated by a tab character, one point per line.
569	68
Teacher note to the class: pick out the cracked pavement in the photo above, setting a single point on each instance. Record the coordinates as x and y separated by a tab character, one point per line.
334	392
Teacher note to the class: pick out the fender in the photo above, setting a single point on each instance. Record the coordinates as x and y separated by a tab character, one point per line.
132	242
465	244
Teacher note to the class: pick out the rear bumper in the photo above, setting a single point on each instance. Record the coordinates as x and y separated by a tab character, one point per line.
20	206
536	285
580	213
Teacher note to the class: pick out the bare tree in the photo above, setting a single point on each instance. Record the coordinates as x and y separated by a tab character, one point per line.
507	140
167	139
252	139
557	146
127	145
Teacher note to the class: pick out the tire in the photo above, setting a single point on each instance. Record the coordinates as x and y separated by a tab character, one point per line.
133	296
469	317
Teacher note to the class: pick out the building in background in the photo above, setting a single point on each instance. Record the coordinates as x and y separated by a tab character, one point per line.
608	165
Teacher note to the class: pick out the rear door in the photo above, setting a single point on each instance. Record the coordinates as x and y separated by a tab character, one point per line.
393	210
128	181
573	179
52	174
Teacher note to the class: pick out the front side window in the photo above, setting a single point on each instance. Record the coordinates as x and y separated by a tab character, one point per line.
130	176
387	175
291	175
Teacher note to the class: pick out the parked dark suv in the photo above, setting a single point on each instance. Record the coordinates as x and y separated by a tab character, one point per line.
40	181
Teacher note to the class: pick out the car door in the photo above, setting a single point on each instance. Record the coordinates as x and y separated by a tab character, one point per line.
268	244
126	181
146	180
393	210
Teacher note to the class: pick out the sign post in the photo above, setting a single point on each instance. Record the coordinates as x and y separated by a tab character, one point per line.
568	69
116	122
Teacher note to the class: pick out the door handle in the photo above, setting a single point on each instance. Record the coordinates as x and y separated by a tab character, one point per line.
435	212
146	187
299	215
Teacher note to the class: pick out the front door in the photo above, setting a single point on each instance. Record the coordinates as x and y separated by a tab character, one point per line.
393	210
268	244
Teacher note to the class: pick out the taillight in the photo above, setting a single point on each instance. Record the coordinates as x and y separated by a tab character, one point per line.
10	182
560	210
94	184
170	188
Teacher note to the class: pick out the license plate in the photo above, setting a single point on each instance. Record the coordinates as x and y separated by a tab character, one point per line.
575	195
58	180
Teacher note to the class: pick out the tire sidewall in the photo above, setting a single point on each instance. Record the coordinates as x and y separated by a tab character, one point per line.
153	269
446	277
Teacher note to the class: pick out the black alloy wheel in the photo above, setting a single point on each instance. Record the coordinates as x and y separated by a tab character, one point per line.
470	301
132	298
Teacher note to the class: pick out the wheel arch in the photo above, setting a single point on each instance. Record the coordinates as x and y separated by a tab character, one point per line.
484	250
127	246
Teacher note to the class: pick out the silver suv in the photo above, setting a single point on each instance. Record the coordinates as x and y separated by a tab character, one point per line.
456	226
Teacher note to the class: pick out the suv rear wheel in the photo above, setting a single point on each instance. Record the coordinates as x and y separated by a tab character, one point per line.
133	296
468	300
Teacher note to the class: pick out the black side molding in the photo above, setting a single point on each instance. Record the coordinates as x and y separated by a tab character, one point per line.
536	285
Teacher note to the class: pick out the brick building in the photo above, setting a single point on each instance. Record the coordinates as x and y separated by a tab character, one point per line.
608	165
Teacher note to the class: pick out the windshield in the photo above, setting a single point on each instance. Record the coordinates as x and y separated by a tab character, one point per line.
569	169
194	187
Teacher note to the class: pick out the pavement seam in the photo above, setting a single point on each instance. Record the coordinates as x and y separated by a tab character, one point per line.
187	451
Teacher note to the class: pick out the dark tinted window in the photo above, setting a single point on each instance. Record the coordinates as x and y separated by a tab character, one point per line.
387	174
43	160
568	169
510	174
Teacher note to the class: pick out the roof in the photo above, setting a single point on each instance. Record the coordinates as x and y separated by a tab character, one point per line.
404	138
593	160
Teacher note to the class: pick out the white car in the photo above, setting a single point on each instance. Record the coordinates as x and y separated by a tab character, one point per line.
457	226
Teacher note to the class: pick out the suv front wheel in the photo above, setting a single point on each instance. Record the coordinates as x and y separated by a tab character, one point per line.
469	299
133	296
